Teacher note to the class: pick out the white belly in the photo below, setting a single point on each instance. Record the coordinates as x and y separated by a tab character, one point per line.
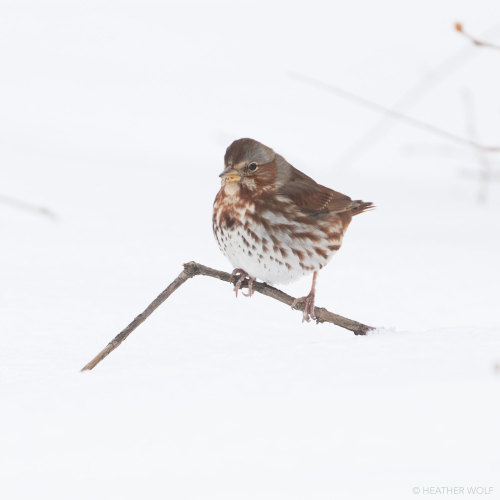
282	257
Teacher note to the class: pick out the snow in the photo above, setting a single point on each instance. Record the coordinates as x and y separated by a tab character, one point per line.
116	117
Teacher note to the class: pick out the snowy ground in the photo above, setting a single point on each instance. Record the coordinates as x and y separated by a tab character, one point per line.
116	115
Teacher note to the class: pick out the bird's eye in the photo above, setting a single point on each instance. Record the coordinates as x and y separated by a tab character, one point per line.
252	167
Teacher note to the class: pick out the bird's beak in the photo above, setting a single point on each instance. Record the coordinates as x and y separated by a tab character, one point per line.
229	174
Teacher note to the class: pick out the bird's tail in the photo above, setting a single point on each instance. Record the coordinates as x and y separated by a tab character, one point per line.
358	206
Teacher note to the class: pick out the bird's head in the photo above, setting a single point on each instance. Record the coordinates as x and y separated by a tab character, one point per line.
250	164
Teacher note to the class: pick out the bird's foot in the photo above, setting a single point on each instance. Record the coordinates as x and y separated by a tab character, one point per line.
243	275
308	312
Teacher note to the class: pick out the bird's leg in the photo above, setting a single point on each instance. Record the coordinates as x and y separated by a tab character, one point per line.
308	302
250	287
243	275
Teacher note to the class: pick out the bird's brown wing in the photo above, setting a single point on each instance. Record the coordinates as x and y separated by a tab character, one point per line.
313	198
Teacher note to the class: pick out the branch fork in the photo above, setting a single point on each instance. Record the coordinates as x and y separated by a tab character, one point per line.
192	269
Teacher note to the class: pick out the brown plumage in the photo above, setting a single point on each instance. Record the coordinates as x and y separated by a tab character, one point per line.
275	223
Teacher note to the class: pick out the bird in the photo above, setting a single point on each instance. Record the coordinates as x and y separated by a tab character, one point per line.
274	223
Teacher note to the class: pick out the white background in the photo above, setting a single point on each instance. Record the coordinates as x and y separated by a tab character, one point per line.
115	115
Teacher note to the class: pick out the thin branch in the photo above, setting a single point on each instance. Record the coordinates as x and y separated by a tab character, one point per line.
459	27
410	97
29	207
393	113
192	269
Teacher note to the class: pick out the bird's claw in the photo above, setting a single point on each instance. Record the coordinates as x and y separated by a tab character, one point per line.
243	275
308	312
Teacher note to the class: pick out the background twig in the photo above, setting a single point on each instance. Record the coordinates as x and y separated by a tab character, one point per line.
192	269
480	43
409	120
408	99
29	207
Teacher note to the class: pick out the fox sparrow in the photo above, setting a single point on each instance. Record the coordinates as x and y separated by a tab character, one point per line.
275	223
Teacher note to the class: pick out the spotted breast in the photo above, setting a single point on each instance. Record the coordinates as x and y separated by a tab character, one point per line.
269	239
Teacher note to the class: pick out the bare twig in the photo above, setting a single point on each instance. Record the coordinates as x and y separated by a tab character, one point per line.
192	269
403	104
393	113
29	207
408	99
480	43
